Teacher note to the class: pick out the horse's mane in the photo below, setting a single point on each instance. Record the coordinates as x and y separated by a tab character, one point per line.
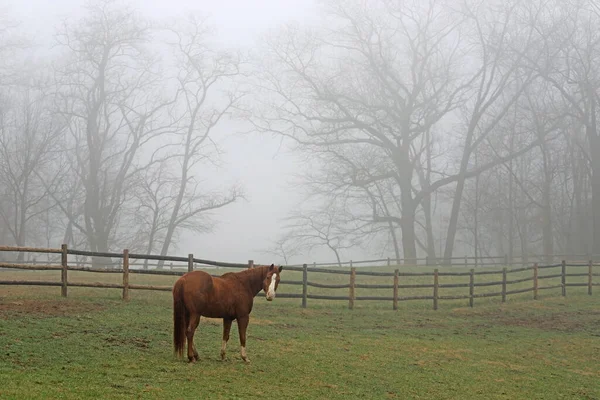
251	277
250	272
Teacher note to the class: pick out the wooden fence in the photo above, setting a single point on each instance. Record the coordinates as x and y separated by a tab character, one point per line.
535	278
533	275
462	261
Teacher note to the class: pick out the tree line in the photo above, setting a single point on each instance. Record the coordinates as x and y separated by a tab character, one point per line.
99	144
442	125
426	127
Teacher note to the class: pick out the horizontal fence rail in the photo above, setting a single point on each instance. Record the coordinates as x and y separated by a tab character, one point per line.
396	280
461	261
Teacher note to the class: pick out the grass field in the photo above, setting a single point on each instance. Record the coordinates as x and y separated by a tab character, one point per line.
93	345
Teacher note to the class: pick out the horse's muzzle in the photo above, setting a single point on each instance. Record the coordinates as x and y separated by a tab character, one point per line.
270	298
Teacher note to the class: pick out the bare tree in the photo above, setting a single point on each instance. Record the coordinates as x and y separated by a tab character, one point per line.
110	94
366	209
388	77
307	231
391	81
154	199
570	63
281	249
207	94
29	142
499	83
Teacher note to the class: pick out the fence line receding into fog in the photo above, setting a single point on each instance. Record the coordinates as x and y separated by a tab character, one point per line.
530	278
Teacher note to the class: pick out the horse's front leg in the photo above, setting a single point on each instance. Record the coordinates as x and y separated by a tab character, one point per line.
226	329
192	353
242	326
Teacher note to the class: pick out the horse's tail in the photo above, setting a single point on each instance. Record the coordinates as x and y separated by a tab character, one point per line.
179	318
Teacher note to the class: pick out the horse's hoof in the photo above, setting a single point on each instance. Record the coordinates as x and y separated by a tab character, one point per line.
192	360
246	360
223	357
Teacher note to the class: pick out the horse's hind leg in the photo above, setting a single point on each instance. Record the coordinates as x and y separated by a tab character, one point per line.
226	329
193	324
242	326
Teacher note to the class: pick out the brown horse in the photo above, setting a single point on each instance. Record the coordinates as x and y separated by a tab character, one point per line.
229	296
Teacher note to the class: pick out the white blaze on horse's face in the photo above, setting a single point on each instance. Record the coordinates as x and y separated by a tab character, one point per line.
271	281
271	289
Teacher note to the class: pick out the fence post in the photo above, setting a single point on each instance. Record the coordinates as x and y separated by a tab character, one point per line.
535	281
389	262
250	264
352	283
504	284
590	277
190	262
471	286
396	275
563	277
126	275
506	259
435	289
466	262
63	272
304	284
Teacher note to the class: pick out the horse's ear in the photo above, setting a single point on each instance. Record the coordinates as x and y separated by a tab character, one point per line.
280	268
271	267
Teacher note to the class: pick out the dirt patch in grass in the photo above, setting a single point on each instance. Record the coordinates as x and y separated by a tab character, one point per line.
562	322
504	308
142	343
546	317
50	308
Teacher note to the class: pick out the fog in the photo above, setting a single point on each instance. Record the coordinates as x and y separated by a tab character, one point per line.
245	229
334	130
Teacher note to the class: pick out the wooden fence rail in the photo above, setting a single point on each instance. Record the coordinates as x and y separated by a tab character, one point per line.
438	276
465	261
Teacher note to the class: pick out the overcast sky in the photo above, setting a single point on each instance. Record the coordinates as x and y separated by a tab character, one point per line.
255	161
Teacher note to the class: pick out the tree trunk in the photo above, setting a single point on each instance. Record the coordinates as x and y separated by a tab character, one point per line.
427	202
337	255
20	229
476	217
409	238
182	188
578	223
453	222
595	183
394	236
522	220
153	229
511	205
458	194
101	245
547	233
407	203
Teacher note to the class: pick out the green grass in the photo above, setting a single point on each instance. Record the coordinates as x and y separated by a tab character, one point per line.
93	345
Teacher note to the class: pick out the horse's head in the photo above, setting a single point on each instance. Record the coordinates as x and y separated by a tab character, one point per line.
271	281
